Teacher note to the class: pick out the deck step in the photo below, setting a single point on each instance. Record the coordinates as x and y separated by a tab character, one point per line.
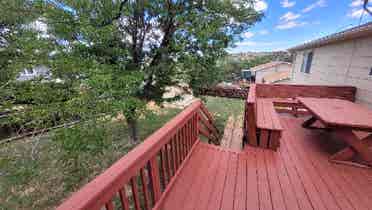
233	133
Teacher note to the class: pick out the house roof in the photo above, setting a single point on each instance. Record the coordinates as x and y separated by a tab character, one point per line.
268	65
349	34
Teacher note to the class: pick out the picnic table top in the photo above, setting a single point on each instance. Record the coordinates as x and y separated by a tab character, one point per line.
339	113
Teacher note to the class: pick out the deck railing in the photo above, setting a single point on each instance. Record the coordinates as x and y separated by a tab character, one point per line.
138	180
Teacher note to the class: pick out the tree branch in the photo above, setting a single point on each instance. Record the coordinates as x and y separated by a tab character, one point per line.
116	17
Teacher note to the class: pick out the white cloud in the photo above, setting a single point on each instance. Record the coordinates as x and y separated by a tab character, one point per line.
253	43
356	13
263	32
248	34
290	24
260	5
356	3
246	43
317	4
356	9
287	3
289	16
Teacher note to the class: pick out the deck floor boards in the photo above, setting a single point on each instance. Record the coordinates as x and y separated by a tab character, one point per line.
297	176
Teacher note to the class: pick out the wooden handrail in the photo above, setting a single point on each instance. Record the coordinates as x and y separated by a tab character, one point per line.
146	171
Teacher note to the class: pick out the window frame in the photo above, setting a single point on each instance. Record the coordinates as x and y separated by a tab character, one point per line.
307	61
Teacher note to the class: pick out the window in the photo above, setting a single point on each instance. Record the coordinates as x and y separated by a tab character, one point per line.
306	63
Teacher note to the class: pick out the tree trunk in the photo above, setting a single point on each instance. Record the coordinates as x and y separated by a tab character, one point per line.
133	131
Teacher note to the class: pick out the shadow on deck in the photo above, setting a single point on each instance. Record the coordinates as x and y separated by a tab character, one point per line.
297	176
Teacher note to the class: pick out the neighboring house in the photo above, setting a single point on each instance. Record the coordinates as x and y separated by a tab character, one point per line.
344	58
271	72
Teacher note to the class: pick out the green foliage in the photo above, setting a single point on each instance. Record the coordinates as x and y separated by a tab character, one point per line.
89	138
106	57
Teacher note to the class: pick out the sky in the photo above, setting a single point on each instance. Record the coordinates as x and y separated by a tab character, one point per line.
288	23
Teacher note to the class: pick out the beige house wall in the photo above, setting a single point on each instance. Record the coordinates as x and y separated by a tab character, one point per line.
344	63
279	68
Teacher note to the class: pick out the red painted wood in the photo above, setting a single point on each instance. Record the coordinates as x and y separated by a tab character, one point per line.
263	184
252	179
264	138
333	181
299	189
109	206
216	195
176	194
289	194
210	181
124	199
183	171
191	199
145	191
332	113
283	95
240	194
275	187
155	181
165	175
182	144
293	91
319	194
228	195
345	182
135	195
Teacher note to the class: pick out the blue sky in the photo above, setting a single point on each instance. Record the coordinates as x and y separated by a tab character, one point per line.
291	22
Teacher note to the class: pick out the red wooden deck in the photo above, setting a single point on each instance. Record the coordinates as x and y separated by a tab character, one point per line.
297	176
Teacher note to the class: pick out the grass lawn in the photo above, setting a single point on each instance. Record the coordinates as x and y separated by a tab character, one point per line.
33	177
222	108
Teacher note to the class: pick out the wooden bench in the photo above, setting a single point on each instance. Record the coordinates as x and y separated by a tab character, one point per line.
268	123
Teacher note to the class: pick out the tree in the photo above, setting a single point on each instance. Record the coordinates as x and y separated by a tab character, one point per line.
125	53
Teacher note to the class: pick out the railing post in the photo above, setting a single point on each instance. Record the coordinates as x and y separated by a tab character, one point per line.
155	178
197	124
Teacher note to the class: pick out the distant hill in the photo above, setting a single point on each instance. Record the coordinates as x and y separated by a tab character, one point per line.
277	55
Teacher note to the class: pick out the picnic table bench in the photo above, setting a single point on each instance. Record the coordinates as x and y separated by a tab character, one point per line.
342	117
269	124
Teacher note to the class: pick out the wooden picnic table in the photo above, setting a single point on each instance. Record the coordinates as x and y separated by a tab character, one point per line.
342	117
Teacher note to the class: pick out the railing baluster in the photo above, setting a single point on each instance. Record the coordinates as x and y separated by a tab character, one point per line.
154	175
173	153
144	189
135	195
187	137
109	205
179	145
163	168
169	165
183	149
197	125
123	198
176	151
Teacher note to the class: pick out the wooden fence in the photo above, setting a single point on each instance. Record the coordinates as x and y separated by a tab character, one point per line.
142	177
227	92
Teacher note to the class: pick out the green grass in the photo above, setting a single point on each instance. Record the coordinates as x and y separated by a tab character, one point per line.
33	177
222	108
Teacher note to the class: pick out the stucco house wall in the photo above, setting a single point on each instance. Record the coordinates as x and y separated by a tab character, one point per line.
343	63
